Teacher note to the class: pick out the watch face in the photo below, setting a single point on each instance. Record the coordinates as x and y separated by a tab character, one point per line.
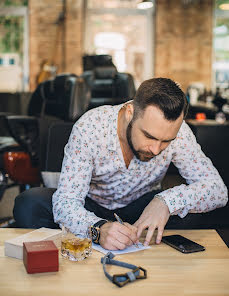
94	234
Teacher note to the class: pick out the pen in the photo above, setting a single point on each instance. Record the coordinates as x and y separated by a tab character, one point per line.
121	222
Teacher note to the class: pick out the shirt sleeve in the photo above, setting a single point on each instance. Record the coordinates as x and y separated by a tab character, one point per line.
205	190
69	198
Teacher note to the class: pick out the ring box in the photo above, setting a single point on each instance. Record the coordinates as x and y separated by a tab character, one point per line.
40	256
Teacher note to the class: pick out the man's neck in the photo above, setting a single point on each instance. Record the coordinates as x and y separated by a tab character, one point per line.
122	126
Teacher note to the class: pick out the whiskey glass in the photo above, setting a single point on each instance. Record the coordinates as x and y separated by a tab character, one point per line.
76	247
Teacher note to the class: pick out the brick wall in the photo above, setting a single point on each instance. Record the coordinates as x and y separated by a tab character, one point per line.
44	43
183	41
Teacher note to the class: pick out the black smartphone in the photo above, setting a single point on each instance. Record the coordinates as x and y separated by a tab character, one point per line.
182	244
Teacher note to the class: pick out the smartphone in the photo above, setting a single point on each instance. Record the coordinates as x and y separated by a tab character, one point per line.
182	244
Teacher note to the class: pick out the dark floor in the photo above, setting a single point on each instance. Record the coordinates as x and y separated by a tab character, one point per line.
224	234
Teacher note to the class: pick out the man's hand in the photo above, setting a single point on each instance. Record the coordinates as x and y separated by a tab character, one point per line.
115	236
155	215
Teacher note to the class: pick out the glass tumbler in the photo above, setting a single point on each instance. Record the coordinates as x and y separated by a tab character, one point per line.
75	247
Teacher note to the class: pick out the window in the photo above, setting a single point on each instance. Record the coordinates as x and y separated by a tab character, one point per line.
14	48
121	30
221	46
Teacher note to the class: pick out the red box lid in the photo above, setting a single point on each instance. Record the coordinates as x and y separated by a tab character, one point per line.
40	256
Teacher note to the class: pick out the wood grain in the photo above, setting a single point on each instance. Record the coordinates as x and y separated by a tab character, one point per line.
169	271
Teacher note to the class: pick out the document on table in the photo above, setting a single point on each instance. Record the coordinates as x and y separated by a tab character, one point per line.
130	249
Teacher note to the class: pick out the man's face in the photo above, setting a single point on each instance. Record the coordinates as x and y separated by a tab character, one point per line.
150	133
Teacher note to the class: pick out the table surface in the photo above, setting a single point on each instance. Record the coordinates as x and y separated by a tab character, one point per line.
169	271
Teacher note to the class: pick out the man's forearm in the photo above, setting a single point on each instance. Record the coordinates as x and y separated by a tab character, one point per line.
196	198
72	214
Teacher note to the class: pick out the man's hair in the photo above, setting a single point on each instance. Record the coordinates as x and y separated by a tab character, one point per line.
162	93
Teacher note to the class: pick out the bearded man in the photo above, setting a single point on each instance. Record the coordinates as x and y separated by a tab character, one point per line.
114	162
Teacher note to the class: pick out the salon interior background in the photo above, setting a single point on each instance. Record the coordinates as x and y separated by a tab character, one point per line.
181	39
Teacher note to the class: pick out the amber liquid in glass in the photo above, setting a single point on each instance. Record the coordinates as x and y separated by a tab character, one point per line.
76	249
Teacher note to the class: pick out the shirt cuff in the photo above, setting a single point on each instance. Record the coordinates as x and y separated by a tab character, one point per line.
170	203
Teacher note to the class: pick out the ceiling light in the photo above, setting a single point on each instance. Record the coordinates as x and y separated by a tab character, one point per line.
145	4
224	6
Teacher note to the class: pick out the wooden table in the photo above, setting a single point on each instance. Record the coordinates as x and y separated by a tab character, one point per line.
169	271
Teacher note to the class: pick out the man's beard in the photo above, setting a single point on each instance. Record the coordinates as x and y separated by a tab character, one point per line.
141	155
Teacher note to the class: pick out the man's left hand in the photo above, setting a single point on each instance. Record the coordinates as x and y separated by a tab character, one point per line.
154	216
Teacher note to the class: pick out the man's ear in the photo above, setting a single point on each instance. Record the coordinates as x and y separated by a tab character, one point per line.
129	112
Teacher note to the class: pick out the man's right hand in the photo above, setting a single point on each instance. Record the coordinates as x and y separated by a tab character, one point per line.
115	236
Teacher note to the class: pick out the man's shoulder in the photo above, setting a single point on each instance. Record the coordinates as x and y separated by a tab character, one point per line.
96	120
184	129
98	114
184	137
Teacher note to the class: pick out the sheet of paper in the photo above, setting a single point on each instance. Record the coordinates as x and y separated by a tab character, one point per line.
130	249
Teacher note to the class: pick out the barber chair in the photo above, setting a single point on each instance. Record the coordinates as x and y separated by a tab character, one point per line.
107	85
51	163
214	141
92	61
64	98
52	156
58	135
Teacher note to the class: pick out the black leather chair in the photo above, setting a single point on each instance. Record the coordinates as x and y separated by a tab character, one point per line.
64	98
214	141
52	160
57	138
58	135
107	85
213	138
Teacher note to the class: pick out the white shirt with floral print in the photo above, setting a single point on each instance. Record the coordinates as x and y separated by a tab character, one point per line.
93	166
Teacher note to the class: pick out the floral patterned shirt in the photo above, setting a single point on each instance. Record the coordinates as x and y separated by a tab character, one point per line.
93	166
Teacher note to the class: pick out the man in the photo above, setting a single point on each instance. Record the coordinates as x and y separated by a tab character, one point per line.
115	160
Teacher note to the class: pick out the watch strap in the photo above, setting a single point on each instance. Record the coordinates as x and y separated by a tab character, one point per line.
100	223
96	229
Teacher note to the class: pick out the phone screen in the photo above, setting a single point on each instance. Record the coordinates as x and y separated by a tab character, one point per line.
182	244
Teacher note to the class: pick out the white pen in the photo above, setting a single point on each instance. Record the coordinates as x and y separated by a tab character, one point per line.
121	222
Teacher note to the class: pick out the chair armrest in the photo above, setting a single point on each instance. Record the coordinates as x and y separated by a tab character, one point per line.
25	130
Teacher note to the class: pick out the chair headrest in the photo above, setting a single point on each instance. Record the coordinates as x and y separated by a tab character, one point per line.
106	72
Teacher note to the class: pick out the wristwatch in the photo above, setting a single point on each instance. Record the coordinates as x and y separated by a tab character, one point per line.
95	231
